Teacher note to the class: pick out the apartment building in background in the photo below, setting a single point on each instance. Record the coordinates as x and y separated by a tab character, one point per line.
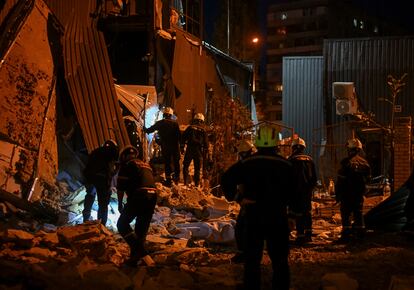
298	28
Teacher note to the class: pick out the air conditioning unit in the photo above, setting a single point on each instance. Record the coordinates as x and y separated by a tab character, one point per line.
343	90
346	107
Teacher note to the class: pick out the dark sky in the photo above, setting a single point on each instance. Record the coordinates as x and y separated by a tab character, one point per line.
211	10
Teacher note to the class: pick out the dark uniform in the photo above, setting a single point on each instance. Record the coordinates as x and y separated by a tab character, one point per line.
169	133
349	189
266	178
245	149
99	173
133	136
136	179
195	136
301	205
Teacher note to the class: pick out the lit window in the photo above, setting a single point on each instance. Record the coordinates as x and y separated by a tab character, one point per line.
283	16
375	29
279	88
361	24
355	22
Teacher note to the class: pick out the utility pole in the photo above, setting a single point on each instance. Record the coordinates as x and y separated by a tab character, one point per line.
228	27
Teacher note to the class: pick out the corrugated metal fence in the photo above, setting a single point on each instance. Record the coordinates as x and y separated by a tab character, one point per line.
88	73
303	100
367	62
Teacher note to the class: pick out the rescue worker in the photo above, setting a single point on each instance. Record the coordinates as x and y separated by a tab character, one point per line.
99	173
350	187
169	133
244	148
195	137
305	181
132	130
135	178
266	177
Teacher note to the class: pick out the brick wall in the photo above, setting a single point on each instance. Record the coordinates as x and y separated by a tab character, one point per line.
402	151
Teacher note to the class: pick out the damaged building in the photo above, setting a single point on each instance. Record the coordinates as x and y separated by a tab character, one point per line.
71	73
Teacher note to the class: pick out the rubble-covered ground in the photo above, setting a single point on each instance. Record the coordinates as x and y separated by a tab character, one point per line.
191	241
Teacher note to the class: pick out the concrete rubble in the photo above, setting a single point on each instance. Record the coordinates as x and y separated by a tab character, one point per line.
191	241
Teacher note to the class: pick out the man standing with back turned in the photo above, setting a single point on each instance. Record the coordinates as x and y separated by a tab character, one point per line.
170	136
305	181
266	177
350	188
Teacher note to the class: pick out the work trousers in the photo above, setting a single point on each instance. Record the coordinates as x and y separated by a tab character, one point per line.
171	156
263	225
139	206
192	154
303	208
103	192
352	207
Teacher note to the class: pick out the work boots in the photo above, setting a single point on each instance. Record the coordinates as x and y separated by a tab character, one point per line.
137	250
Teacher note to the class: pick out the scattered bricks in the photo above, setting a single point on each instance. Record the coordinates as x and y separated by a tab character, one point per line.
20	238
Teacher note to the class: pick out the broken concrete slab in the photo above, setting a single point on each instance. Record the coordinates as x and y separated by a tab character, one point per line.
338	281
401	282
106	276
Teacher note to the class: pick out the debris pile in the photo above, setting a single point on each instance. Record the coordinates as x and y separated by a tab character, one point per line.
191	241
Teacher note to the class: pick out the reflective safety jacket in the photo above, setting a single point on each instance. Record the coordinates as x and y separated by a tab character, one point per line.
169	133
135	177
266	178
352	178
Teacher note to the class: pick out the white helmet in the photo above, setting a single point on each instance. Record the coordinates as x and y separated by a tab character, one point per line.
168	111
354	144
298	142
199	116
245	146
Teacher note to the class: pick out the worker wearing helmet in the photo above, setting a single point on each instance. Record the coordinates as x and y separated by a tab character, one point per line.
266	177
133	134
350	187
99	172
305	181
169	133
136	179
245	148
195	139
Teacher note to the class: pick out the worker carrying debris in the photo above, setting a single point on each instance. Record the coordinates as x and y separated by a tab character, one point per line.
350	188
170	135
305	181
196	142
136	179
266	177
99	173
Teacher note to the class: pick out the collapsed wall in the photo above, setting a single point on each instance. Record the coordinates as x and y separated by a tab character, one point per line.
28	146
